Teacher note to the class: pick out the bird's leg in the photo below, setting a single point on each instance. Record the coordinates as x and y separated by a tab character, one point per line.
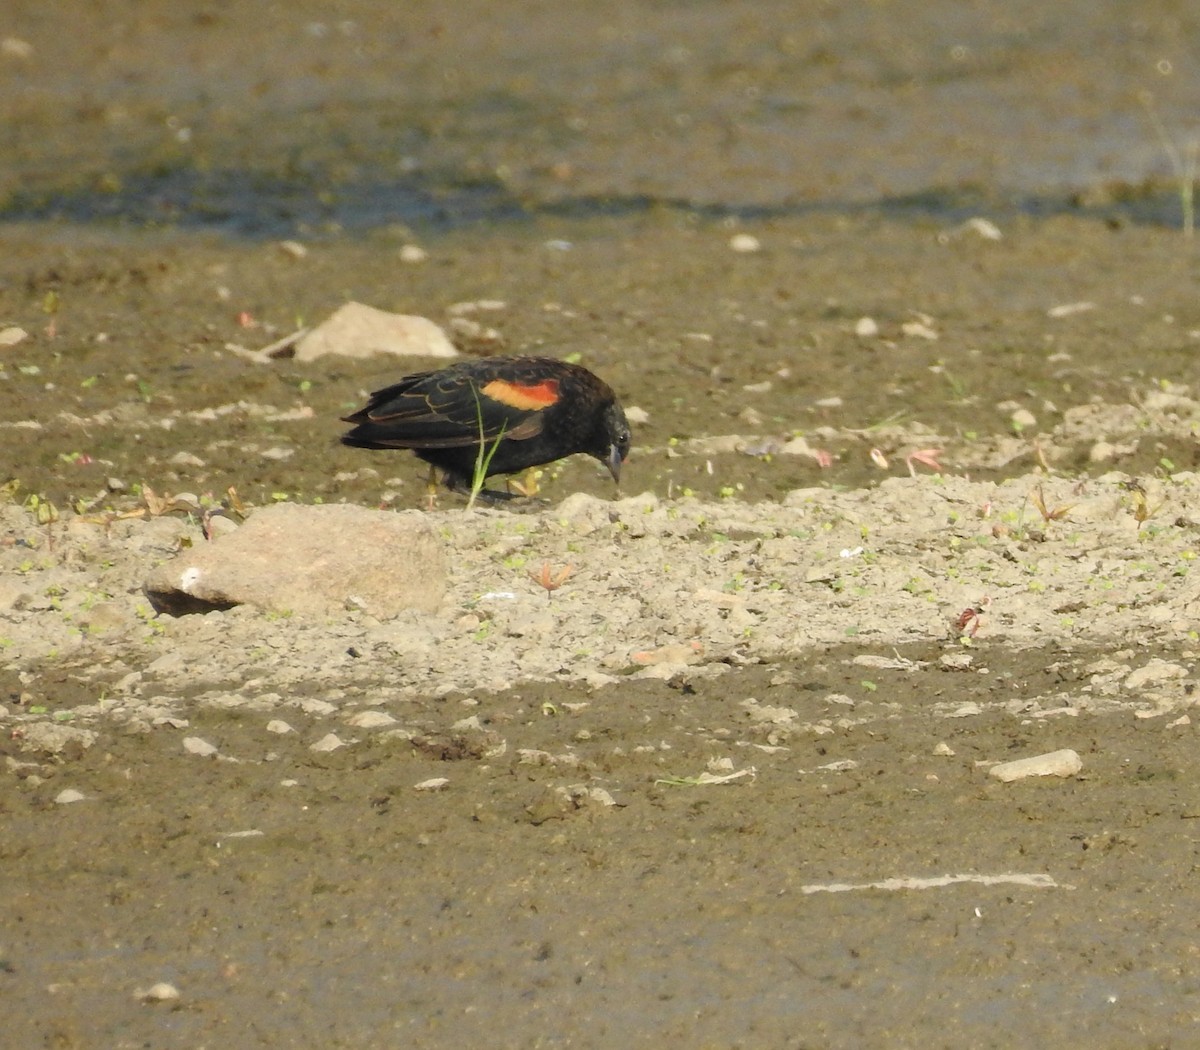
463	487
431	489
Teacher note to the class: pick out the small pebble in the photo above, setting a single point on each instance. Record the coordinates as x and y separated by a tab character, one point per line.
162	992
433	784
866	328
69	795
918	329
193	745
278	725
1023	419
745	243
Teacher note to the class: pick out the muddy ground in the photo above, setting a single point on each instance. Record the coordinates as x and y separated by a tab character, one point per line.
911	495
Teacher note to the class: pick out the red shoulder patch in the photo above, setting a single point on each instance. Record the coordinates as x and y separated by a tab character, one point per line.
522	395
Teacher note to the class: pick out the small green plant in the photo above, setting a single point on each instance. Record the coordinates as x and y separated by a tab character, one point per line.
1183	163
483	458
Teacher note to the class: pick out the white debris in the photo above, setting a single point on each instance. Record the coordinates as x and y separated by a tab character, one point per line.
1034	881
1067	309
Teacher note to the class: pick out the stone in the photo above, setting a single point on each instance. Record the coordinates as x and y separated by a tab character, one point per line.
314	561
355	330
1064	763
52	738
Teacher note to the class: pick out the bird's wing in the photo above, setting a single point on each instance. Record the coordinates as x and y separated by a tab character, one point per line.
447	410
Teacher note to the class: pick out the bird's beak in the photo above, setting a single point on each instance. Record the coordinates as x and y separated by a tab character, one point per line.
614	463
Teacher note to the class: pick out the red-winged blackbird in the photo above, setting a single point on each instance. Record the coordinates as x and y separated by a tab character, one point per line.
522	411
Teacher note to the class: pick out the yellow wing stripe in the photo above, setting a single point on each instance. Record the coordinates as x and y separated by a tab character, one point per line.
528	398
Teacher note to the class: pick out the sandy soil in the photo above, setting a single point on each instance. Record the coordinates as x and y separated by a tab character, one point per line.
908	500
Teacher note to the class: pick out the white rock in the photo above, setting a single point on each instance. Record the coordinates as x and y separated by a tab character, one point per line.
918	329
965	710
12	335
1023	419
866	328
370	719
984	228
193	745
433	784
329	742
278	725
1064	763
745	243
1156	672
158	993
355	330
295	559
69	795
52	738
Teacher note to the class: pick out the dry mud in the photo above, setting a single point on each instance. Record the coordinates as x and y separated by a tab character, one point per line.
912	495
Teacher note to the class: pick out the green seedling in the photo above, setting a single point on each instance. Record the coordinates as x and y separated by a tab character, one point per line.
483	458
1183	163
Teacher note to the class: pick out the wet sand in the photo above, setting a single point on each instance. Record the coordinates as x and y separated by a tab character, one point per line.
589	172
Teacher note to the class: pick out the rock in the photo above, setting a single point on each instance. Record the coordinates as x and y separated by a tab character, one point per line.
279	726
314	561
1156	672
355	330
329	742
69	795
52	738
1022	419
194	745
745	243
433	784
1064	763
162	992
370	719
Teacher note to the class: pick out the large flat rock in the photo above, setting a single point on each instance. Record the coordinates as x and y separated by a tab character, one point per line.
356	330
310	561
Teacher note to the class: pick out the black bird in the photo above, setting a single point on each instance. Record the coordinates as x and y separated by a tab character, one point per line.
519	411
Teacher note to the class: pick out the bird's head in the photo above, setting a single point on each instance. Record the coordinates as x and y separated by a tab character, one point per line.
615	440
